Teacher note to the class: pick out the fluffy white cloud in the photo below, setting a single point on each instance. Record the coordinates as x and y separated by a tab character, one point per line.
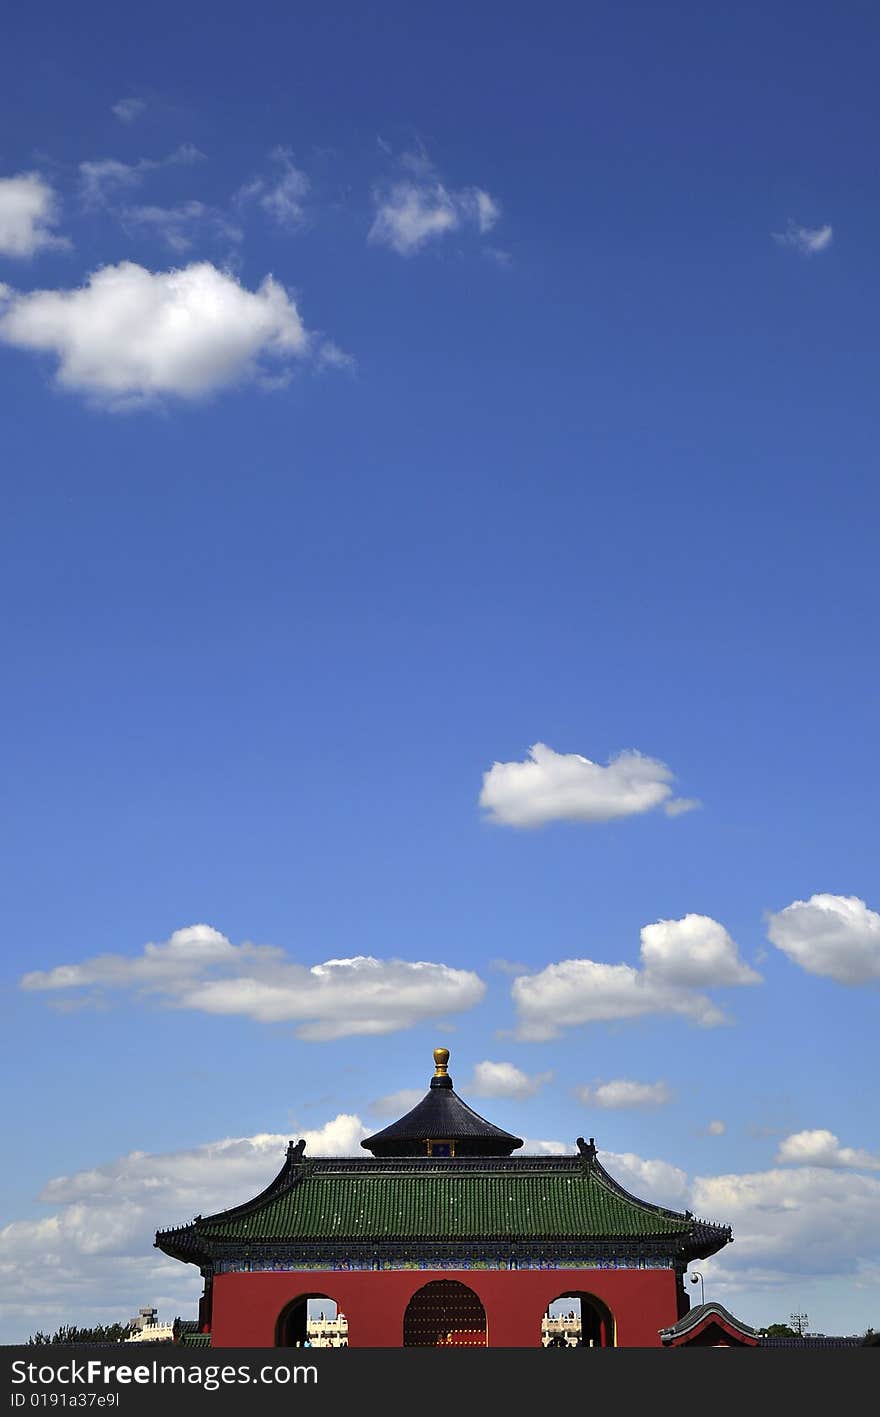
28	212
131	336
284	197
186	955
676	956
656	1181
811	1220
340	1137
174	224
833	935
716	1129
620	1092
198	968
809	240
101	178
420	208
693	951
505	1080
93	1258
553	787
409	215
822	1148
545	1148
128	109
579	991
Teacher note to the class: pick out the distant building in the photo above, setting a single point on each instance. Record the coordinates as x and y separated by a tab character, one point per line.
147	1329
328	1333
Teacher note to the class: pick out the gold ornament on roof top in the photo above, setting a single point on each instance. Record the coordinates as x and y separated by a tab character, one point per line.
441	1059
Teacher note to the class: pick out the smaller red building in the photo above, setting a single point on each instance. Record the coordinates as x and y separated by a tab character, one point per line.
710	1326
442	1237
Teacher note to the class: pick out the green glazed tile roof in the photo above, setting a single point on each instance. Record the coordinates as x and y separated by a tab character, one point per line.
440	1206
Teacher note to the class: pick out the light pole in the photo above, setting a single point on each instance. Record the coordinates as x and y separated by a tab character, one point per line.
697	1276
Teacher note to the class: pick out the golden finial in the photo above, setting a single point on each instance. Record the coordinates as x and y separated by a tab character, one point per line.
441	1058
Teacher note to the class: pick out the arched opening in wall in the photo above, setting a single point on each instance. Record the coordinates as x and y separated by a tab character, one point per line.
445	1314
311	1321
577	1320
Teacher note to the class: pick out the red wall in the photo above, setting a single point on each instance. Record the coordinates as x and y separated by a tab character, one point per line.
247	1306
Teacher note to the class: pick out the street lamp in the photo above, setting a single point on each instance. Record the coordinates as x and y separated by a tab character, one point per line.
697	1276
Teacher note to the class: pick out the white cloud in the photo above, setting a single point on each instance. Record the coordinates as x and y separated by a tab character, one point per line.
832	935
185	155
554	787
397	1104
411	214
28	212
104	178
822	1148
128	109
131	335
656	1181
340	1137
505	1080
284	197
185	955
809	240
716	1129
676	956
173	224
93	1258
620	1092
179	227
420	208
693	951
330	356
198	968
546	1148
810	1220
579	991
487	210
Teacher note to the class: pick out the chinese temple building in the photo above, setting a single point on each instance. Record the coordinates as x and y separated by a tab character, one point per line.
442	1237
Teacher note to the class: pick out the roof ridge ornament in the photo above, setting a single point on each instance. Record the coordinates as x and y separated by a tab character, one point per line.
295	1149
441	1078
585	1149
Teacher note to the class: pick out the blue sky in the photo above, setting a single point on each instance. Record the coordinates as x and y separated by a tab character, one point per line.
554	424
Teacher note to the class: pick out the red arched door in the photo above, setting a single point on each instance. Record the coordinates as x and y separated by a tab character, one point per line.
444	1314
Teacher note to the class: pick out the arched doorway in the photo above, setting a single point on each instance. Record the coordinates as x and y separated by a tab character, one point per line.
577	1320
445	1314
313	1320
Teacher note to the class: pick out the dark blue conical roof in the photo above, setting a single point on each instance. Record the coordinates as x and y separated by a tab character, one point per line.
442	1116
